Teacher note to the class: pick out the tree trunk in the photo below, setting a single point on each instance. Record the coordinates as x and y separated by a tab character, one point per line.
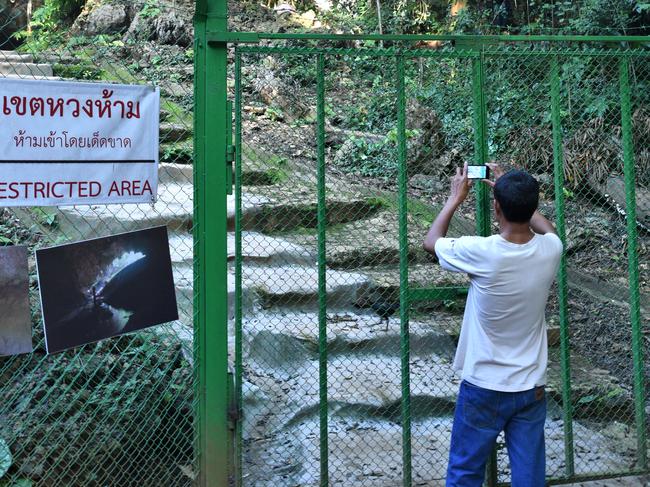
29	16
381	28
457	6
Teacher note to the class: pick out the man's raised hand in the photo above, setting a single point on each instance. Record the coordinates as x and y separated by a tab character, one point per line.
496	170
460	185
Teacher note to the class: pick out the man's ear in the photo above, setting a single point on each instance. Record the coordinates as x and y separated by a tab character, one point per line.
497	208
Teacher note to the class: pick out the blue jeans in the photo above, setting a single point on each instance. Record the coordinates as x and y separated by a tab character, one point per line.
481	414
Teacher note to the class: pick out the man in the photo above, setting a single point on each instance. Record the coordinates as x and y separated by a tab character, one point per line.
502	350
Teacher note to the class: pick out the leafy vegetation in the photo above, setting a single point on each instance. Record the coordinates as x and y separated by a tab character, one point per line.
178	153
78	71
48	22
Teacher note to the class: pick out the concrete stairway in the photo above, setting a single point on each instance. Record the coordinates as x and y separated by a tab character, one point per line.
281	363
17	65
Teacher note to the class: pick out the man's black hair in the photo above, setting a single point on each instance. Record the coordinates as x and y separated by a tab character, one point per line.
518	195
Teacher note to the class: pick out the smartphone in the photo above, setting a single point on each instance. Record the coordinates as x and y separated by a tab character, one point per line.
478	172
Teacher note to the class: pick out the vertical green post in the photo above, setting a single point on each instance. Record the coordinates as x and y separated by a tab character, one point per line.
565	356
480	141
210	227
238	276
481	191
404	275
633	262
322	274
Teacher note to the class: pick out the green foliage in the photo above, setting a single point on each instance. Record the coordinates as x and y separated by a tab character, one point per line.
449	95
151	8
44	216
604	17
277	175
5	457
371	159
473	22
47	24
78	71
45	31
65	9
415	16
373	108
299	70
611	17
179	153
274	113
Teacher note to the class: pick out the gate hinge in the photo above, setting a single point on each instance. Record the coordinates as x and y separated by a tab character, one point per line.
230	159
230	154
230	148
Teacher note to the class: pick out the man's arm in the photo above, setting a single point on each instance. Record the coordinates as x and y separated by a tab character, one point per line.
460	187
541	225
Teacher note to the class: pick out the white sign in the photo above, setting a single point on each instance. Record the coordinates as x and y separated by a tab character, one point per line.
68	143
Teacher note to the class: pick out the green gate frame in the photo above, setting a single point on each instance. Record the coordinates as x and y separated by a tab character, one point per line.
218	429
210	250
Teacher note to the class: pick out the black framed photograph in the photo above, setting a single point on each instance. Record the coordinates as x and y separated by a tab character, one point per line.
15	319
105	287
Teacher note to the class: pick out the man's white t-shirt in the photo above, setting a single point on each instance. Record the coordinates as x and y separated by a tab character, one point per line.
503	345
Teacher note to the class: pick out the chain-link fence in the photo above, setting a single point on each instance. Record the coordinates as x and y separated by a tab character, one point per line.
120	412
346	329
343	328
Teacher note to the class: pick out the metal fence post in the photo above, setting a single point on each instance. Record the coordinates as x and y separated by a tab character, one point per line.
238	277
322	274
565	356
480	140
481	191
633	261
210	226
404	282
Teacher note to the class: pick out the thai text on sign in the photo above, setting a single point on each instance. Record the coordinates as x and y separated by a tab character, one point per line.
68	143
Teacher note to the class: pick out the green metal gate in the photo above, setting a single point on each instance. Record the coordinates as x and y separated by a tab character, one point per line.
330	208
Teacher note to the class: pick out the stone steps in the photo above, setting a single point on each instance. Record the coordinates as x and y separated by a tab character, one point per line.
260	248
184	282
368	452
175	132
349	332
364	401
256	248
25	69
30	77
384	280
264	214
297	285
15	57
174	208
175	173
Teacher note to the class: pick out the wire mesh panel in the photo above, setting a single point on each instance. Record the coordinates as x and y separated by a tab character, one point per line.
523	135
277	294
348	328
366	419
121	411
440	119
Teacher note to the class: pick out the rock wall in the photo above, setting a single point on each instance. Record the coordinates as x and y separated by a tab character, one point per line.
166	23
